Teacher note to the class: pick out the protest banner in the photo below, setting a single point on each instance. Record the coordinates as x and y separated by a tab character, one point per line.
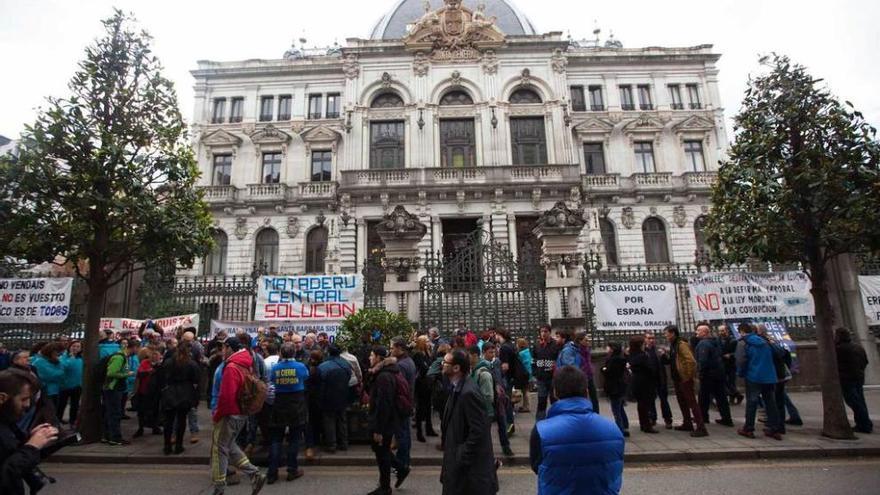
725	296
331	328
777	331
35	300
870	288
635	306
170	324
309	298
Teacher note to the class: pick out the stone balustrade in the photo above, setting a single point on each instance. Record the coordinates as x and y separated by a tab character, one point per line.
439	177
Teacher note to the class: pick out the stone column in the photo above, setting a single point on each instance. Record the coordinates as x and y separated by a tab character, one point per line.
558	229
401	231
849	311
361	244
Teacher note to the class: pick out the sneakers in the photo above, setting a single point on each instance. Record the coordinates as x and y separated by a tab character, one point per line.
401	476
257	483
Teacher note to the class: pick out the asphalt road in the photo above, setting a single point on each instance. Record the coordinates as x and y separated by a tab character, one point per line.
819	477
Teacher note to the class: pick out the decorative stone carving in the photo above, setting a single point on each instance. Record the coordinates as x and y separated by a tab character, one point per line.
386	80
558	61
270	136
401	224
490	62
454	33
653	210
536	198
561	219
401	265
421	64
384	198
456	78
241	228
350	66
628	217
292	226
525	77
568	260
679	216
221	139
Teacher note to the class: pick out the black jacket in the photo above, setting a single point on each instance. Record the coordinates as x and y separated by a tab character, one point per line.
614	373
17	462
659	364
728	352
543	360
384	418
851	361
644	375
179	384
468	459
710	363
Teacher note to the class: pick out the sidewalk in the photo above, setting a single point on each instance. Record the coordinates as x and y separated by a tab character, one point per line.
722	444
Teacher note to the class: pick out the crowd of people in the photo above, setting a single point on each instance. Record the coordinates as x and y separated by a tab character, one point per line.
289	392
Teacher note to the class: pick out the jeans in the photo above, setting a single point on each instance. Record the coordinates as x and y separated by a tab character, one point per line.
617	408
384	459
192	417
783	403
544	389
294	433
730	381
225	451
594	395
501	421
336	430
714	388
71	396
766	392
508	387
112	414
404	442
665	410
854	396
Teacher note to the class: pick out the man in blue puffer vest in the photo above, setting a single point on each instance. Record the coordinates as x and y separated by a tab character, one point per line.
576	451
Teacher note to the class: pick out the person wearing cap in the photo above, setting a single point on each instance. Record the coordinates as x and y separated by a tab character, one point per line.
384	419
400	351
335	373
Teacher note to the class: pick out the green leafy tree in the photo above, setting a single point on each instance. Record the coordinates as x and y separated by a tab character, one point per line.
359	327
104	181
802	184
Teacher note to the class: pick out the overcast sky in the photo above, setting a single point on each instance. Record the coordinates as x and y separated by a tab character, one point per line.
42	40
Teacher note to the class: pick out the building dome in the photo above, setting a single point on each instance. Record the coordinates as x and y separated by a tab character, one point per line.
393	24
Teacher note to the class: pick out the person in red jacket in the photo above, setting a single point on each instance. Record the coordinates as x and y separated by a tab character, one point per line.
228	420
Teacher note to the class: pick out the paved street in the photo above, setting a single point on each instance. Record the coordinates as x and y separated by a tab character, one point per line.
819	477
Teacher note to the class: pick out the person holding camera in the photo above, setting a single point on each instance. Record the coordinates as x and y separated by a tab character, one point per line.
20	453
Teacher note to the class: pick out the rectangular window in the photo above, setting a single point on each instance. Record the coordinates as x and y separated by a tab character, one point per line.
218	114
644	157
675	97
271	168
222	170
284	107
457	143
645	102
594	154
322	165
314	106
693	152
267	104
387	148
235	113
577	99
597	101
694	97
333	106
626	98
529	141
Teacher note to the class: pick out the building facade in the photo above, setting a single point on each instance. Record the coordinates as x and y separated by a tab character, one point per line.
470	120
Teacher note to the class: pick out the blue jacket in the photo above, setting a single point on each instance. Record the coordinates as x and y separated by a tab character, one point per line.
576	451
73	372
134	363
754	360
335	374
289	376
215	388
51	374
569	356
525	357
107	348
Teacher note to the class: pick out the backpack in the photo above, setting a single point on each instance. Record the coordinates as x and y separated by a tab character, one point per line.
252	394
782	370
101	370
402	396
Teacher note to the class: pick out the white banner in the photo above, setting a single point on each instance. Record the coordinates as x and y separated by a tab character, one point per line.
870	287
723	296
331	328
635	306
170	325
35	300
309	298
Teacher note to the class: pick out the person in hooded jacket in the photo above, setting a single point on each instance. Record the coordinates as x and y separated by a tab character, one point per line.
644	381
614	373
384	417
50	369
179	385
576	451
71	386
754	362
851	363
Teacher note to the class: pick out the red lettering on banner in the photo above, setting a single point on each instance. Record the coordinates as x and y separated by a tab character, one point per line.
308	311
710	302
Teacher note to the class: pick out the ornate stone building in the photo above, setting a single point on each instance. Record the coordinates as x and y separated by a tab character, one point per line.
468	118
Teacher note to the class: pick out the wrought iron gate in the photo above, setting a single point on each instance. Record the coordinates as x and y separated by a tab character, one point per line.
482	285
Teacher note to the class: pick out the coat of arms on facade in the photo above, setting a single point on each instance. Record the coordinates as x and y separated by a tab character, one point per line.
679	216
628	218
241	228
292	226
454	33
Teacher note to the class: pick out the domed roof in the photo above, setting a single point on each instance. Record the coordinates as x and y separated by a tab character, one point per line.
393	24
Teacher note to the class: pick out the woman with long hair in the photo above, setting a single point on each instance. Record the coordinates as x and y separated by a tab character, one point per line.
71	386
614	372
180	392
146	391
422	358
644	381
50	370
313	387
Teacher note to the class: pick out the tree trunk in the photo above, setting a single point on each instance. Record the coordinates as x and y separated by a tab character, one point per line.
835	423
90	410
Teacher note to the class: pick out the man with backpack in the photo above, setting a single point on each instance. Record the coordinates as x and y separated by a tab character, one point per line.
114	373
501	399
407	366
241	393
388	396
544	355
512	372
754	363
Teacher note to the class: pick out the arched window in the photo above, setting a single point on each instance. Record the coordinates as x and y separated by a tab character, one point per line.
456	97
609	241
316	249
654	235
524	96
700	234
215	262
387	100
267	250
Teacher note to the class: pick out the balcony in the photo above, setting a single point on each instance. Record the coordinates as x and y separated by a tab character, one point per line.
627	107
677	106
699	181
662	182
646	106
219	194
696	106
603	182
455	178
597	108
317	191
259	193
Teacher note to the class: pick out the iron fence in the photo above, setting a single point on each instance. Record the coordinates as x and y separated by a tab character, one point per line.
25	335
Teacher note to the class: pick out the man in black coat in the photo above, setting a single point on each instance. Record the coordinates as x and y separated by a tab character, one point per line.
657	359
384	419
851	363
468	459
